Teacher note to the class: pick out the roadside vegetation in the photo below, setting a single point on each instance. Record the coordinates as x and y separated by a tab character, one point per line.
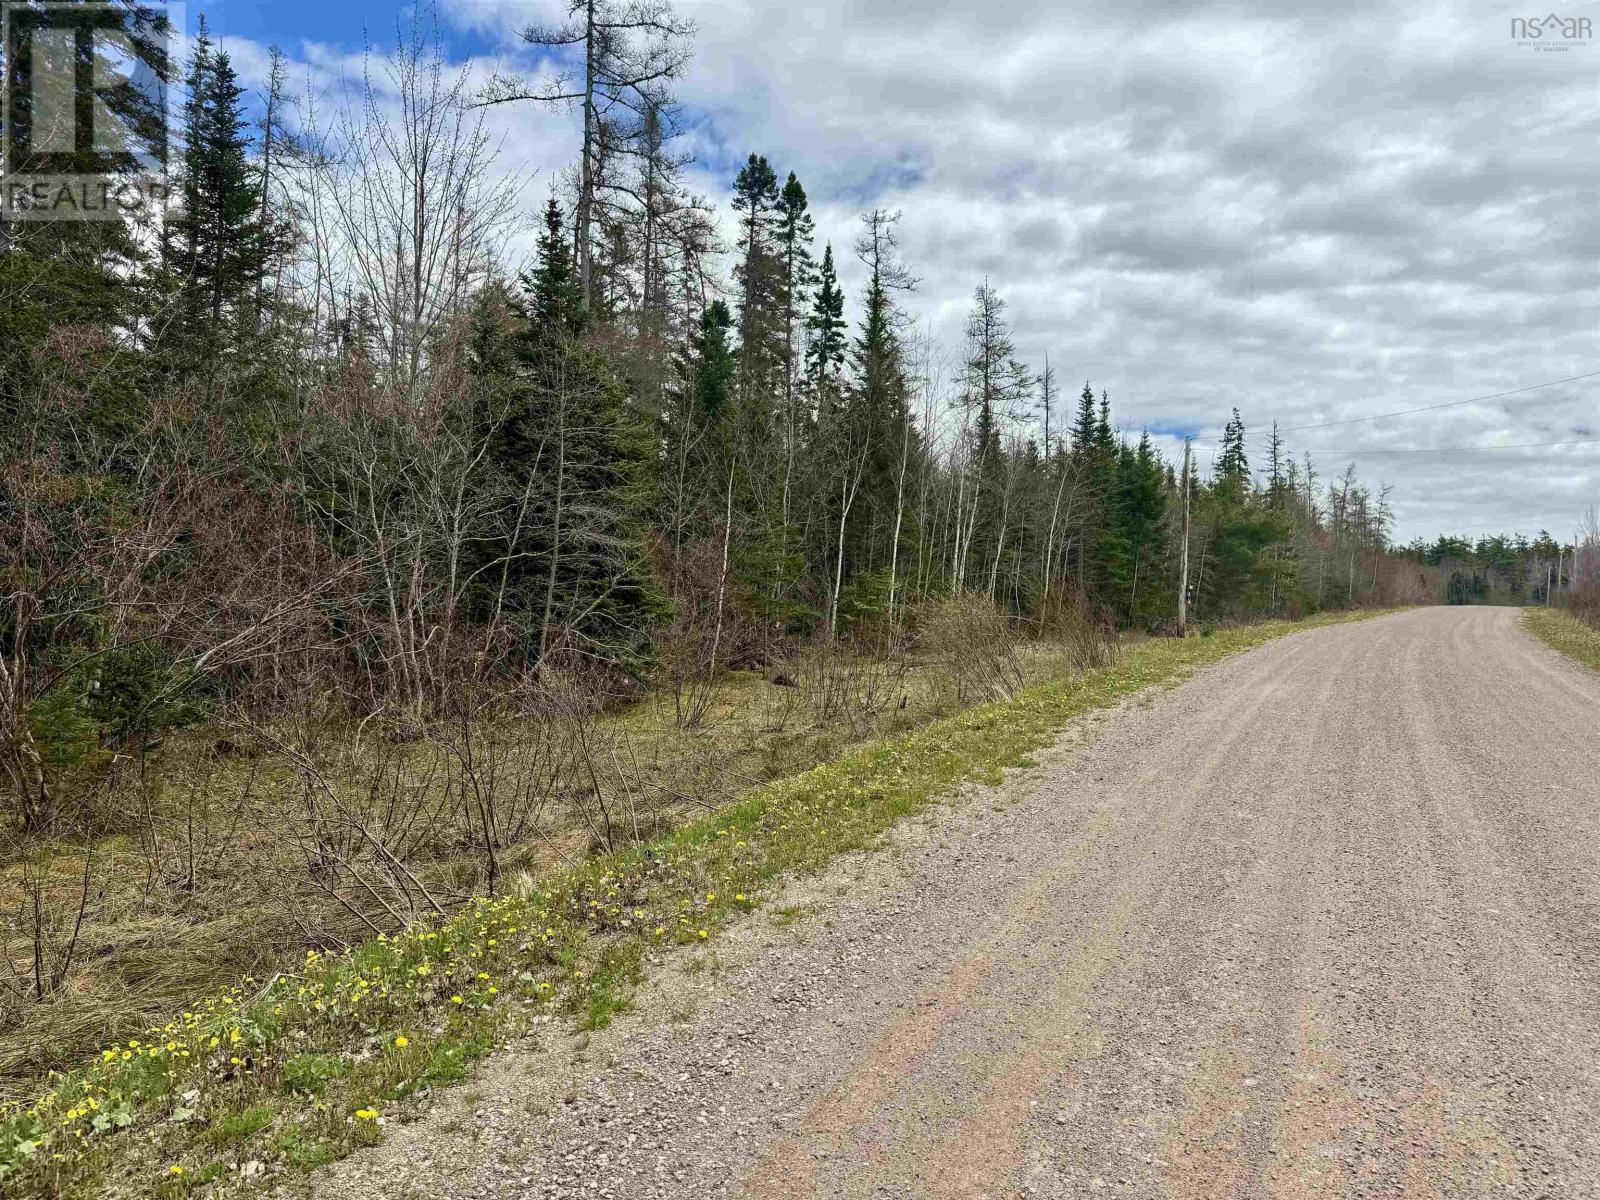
1573	631
230	849
264	1079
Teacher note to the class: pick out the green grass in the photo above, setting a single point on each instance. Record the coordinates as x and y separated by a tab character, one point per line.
373	1027
150	944
1565	633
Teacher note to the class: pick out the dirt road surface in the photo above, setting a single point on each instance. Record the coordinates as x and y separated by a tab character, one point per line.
1323	922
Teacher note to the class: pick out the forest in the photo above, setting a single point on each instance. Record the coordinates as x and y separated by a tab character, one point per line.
354	571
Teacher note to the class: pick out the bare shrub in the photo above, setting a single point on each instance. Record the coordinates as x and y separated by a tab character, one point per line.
1584	603
189	820
1395	582
1065	619
1584	599
850	689
972	644
783	704
387	822
709	634
41	935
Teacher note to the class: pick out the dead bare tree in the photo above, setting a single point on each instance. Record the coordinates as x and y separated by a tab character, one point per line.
629	50
417	214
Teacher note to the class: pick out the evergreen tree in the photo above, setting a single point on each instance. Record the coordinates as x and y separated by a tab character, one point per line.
1135	536
218	248
555	300
714	362
878	416
996	387
560	561
1091	464
825	325
756	200
1233	466
795	231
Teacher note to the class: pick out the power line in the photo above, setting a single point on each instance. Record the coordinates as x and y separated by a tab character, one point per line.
1367	452
1406	412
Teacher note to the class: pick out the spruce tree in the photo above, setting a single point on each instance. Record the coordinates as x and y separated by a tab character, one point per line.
555	299
795	231
761	278
218	249
713	371
1134	535
825	326
1233	465
877	401
560	562
996	387
1091	463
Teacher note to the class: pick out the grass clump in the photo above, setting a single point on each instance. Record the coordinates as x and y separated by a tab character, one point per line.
1566	633
306	1068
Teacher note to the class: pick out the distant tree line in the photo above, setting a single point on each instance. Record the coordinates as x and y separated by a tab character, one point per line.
1513	569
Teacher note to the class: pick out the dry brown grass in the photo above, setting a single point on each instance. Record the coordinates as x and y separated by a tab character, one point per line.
233	849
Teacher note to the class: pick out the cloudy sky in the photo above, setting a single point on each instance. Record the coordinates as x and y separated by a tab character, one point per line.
1314	213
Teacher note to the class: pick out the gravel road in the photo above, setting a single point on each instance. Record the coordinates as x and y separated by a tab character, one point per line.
1323	922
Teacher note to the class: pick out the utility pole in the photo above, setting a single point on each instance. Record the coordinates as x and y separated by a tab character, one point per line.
1183	576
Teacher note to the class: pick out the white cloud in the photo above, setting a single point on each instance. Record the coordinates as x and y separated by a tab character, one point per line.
1180	202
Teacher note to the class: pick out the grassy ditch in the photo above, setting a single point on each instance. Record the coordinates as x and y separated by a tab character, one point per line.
1564	632
268	1079
230	849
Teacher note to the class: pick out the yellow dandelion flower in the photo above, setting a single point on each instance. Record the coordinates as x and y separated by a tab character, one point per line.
456	999
402	1042
174	1169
